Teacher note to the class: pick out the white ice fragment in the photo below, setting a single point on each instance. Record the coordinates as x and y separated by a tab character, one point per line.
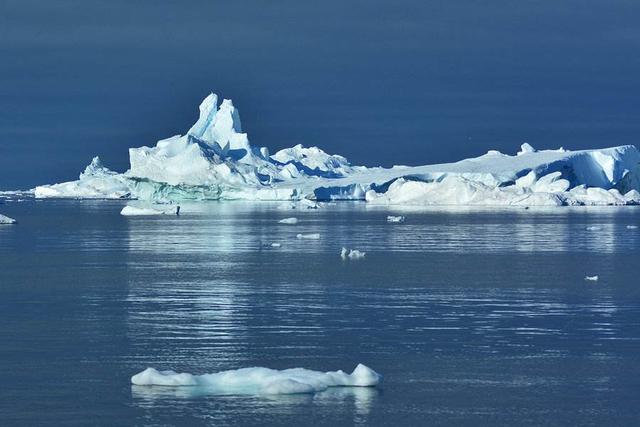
591	278
291	220
261	381
6	220
136	211
276	245
593	228
351	254
632	227
312	236
526	148
392	218
310	204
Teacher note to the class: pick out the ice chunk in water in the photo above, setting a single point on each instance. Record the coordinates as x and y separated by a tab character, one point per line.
351	254
399	218
591	278
6	220
312	236
257	381
291	220
135	211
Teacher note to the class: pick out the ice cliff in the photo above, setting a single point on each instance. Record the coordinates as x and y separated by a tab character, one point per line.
215	161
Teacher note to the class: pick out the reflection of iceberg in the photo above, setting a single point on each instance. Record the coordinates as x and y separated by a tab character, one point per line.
260	380
214	160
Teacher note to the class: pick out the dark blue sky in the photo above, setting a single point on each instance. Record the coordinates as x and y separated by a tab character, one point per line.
381	82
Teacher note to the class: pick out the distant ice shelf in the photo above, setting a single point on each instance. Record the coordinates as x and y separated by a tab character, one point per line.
215	161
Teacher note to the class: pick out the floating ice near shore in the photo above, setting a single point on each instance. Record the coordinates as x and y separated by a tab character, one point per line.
291	220
257	381
591	278
632	227
215	161
351	254
6	220
392	218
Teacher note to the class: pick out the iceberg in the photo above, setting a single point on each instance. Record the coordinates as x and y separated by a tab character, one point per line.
591	278
260	381
214	160
136	211
292	220
311	236
393	218
351	254
6	220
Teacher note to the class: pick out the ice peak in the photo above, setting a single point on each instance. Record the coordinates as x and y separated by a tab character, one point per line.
219	125
526	148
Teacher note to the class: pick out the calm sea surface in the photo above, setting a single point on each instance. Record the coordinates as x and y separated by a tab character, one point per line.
473	318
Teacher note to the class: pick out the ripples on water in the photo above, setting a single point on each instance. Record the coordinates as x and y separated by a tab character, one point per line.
473	317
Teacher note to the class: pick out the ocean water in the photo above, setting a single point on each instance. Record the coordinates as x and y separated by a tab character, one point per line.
474	318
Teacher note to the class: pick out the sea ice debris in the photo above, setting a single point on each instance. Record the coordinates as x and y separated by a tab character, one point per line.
136	211
351	254
291	220
6	220
591	278
312	236
392	218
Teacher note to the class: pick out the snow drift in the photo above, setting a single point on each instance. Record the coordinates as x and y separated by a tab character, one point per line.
215	161
258	381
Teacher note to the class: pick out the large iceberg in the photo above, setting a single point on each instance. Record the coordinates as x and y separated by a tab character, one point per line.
215	161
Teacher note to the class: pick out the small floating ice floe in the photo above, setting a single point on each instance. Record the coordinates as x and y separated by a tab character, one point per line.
392	218
591	278
261	381
276	245
632	227
593	228
6	220
312	236
135	211
291	220
351	254
310	204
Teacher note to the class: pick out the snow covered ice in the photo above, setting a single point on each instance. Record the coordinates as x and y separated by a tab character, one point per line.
6	220
591	278
258	381
214	160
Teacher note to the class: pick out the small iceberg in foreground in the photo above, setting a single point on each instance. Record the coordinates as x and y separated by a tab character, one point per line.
6	220
258	381
591	278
